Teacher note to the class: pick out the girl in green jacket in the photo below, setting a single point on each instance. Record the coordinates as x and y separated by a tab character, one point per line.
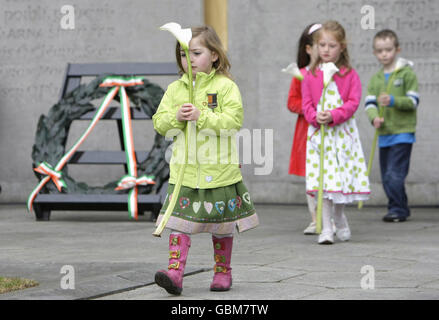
213	197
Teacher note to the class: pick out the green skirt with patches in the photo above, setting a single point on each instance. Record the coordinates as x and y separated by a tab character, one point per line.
217	211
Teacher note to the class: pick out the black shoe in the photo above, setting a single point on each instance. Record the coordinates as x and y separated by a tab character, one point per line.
394	217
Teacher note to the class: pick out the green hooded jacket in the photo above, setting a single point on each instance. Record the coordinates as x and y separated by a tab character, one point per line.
212	154
401	117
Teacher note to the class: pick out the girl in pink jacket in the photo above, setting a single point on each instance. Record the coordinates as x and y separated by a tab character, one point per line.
344	166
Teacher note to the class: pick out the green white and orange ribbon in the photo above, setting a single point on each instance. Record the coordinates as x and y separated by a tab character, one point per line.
183	36
128	182
54	175
119	83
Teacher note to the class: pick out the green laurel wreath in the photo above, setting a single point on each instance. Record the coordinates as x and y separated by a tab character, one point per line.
53	129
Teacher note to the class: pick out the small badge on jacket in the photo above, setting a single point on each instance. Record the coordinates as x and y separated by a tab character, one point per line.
398	82
211	100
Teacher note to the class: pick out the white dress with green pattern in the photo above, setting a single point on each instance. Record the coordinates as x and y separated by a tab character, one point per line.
344	179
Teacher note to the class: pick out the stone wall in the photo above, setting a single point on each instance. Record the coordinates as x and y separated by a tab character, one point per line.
262	41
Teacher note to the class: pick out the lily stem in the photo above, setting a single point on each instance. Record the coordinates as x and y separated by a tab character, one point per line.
321	180
177	187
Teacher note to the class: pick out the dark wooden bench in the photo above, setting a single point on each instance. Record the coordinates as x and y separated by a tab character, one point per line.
45	203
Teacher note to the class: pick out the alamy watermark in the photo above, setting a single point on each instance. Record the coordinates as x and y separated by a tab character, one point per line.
68	280
68	19
223	147
368	19
368	280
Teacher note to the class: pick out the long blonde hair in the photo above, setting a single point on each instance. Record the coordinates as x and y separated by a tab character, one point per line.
339	33
211	41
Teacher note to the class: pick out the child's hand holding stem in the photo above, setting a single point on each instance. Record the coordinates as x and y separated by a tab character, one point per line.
324	117
377	122
188	112
384	99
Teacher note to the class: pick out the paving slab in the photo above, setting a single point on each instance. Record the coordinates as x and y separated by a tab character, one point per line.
115	258
107	251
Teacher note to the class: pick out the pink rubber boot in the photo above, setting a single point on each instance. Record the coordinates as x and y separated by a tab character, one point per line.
222	278
172	280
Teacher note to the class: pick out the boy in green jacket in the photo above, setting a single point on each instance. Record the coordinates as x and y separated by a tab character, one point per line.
397	125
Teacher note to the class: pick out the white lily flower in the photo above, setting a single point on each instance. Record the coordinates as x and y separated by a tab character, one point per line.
294	70
183	36
329	69
401	63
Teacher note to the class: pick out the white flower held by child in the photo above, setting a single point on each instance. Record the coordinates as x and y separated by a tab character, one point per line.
183	36
294	70
329	69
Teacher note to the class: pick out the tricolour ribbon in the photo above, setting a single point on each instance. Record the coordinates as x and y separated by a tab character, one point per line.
55	174
128	182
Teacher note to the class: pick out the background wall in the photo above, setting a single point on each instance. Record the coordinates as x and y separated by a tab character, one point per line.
262	41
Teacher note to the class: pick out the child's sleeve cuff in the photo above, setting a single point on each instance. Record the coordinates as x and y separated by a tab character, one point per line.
392	101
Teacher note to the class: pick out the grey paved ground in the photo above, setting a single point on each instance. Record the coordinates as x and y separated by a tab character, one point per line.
115	258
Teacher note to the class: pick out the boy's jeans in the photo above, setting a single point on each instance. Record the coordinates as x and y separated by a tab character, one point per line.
395	162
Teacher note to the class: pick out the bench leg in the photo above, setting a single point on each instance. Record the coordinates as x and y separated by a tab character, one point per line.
41	214
155	212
